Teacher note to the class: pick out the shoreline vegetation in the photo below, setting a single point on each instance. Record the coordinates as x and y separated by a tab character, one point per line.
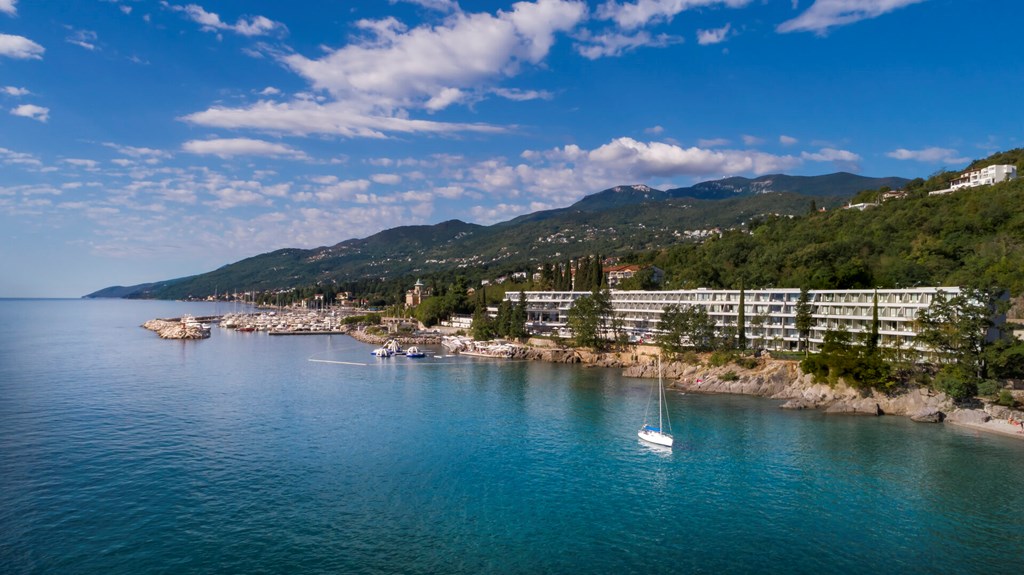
771	378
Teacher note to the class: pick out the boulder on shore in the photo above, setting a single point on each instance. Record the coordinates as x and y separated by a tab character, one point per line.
865	406
928	415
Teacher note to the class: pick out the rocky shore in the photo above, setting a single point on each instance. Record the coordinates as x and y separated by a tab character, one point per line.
177	329
783	380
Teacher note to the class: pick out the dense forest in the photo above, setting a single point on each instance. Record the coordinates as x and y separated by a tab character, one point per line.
973	237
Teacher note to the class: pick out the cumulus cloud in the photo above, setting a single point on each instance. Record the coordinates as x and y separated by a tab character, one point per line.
342	190
825	14
8	7
751	140
376	83
389	179
842	159
631	15
657	159
15	91
654	130
929	155
787	140
32	111
230	147
20	47
245	26
713	36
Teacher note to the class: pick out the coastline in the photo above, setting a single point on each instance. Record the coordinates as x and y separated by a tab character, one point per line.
770	378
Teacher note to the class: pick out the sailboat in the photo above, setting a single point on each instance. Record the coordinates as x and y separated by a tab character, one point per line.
649	432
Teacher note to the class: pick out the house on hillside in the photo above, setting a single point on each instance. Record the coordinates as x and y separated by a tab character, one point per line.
616	274
984	177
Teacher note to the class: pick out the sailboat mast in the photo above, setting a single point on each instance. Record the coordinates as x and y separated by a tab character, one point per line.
661	391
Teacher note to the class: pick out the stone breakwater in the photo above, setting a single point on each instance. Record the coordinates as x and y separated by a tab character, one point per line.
405	340
177	329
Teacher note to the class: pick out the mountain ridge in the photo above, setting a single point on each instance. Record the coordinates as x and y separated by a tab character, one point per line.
596	223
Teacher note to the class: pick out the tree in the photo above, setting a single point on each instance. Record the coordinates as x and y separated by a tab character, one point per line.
954	328
804	318
872	343
741	321
685	327
584	319
483	326
517	329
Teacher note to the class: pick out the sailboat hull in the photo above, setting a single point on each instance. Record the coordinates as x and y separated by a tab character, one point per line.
655	437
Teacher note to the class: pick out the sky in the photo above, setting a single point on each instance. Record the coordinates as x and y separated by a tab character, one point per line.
146	140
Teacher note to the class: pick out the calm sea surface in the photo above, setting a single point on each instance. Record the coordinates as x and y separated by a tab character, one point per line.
124	453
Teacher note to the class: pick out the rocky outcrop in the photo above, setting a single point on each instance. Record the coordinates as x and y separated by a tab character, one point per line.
928	415
969	416
177	329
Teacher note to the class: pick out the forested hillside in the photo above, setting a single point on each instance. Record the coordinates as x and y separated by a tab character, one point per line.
973	237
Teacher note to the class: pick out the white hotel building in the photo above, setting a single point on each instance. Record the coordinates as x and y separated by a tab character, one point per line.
773	309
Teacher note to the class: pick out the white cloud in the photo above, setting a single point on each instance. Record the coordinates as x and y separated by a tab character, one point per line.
8	7
609	44
230	147
11	157
787	140
125	9
389	179
825	14
135	152
929	155
751	140
831	155
409	67
377	82
82	38
269	91
713	142
631	15
90	165
343	190
338	118
445	98
34	112
656	159
439	5
228	198
654	130
713	36
20	47
15	91
522	95
211	22
842	159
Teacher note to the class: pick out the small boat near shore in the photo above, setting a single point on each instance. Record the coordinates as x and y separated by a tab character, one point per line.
649	432
415	352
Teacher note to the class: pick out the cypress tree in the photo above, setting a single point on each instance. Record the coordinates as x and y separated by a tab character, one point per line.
741	320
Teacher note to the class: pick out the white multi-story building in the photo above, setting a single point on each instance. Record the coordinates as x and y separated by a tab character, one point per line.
985	176
769	315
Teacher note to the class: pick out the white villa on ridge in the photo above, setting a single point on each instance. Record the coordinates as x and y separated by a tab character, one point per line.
983	177
769	315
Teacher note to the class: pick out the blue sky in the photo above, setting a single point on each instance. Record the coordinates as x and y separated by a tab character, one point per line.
145	140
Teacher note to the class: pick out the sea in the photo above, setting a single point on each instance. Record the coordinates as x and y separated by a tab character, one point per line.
247	453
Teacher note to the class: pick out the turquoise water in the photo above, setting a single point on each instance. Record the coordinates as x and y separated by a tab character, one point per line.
123	453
